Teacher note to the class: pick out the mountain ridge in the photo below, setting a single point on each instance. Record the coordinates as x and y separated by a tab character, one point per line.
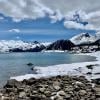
83	39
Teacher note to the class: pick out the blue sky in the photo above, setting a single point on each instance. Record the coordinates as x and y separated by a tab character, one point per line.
43	20
41	30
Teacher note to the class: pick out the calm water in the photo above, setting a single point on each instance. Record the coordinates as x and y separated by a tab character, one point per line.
13	64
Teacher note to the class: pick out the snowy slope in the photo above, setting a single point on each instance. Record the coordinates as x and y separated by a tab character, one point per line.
83	38
5	45
46	43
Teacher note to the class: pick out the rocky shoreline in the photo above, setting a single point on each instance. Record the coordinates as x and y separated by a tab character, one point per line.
53	88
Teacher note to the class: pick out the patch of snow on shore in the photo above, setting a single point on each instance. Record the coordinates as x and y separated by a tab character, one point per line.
65	69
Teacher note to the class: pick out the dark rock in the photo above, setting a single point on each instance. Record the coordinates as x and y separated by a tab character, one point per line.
97	73
90	66
61	45
36	49
30	64
36	42
88	73
12	83
96	81
29	82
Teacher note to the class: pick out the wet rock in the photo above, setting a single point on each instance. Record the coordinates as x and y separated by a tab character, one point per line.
29	82
12	83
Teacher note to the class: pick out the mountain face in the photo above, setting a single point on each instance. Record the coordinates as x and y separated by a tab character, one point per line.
83	39
60	45
35	49
97	42
20	46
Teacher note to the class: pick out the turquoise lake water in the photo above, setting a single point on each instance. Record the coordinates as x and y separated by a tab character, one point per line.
12	64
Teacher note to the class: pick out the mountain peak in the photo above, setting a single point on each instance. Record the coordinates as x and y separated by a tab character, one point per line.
83	38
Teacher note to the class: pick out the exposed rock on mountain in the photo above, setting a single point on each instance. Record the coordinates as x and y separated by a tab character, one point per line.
36	49
61	45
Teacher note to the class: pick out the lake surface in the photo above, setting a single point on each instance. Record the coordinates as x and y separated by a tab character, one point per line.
12	64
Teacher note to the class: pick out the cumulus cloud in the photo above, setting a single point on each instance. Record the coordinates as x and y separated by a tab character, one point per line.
81	20
57	16
75	25
14	30
24	9
86	11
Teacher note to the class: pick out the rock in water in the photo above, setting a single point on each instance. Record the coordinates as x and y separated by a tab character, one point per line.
30	64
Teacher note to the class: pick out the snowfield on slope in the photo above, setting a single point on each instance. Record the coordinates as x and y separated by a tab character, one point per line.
6	45
83	38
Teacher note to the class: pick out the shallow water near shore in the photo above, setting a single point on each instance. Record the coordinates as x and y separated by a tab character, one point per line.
14	64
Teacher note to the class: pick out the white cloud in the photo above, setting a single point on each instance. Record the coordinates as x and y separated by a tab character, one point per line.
24	9
14	30
75	25
76	19
57	16
88	10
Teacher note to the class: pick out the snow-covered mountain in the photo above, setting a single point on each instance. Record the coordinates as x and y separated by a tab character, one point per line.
22	46
83	38
11	45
